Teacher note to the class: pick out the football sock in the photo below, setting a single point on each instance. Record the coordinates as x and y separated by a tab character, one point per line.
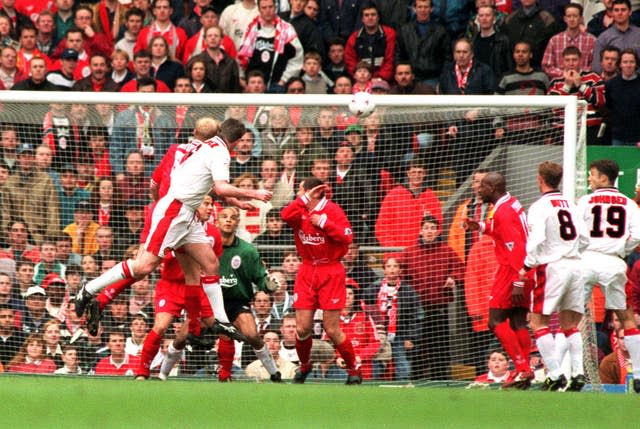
574	342
632	341
226	351
345	349
303	347
562	346
524	339
111	292
267	360
546	347
211	286
120	271
192	305
510	344
149	350
170	359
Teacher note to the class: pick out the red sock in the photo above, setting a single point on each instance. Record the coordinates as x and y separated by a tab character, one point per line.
524	339
111	292
510	344
192	305
226	351
345	349
303	348
149	350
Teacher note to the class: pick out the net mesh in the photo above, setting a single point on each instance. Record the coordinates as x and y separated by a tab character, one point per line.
387	171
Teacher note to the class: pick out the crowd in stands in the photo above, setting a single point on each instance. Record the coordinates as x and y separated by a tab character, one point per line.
74	184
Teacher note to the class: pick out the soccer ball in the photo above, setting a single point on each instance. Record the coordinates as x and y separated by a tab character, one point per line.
361	105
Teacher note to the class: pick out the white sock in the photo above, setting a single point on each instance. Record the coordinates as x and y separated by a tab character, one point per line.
633	345
561	346
118	272
546	347
170	359
214	294
575	353
267	360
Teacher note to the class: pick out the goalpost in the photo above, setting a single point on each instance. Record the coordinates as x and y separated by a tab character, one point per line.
446	138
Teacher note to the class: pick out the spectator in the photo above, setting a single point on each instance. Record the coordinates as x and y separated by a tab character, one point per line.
64	253
69	194
453	15
278	133
326	132
334	65
24	278
403	208
8	35
37	80
162	26
622	34
491	47
306	29
10	338
424	44
396	316
616	365
93	41
521	128
142	69
587	85
98	148
622	101
434	271
498	366
108	16
256	369
466	75
316	82
98	80
139	328
602	20
9	72
63	17
290	265
610	58
197	73
253	221
288	334
235	19
269	174
48	262
128	232
360	330
357	269
339	19
36	315
573	36
262	313
163	68
70	361
279	60
20	249
104	240
282	300
83	230
374	44
18	19
222	72
7	295
61	135
244	161
289	164
43	160
275	234
192	23
307	148
73	41
31	358
116	316
9	142
28	50
473	27
532	24
133	22
405	82
362	77
196	44
118	362
142	128
24	192
45	25
52	346
64	77
104	203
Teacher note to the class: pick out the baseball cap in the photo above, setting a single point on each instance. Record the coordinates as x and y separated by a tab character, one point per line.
355	128
69	54
83	206
35	290
380	85
25	147
52	279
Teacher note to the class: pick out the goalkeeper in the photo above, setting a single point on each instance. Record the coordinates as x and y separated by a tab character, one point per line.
240	269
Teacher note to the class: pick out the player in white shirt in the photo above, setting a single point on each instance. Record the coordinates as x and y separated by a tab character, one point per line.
552	251
173	226
611	230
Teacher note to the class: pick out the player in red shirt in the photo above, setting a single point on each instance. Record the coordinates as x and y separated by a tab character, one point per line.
510	297
322	235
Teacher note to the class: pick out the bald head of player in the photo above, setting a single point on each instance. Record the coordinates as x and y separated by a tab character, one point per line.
492	187
206	128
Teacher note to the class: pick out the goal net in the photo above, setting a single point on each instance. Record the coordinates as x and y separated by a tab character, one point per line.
411	163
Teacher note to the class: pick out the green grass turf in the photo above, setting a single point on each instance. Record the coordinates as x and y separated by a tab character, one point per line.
53	402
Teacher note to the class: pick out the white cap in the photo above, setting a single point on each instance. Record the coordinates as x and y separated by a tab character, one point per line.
34	290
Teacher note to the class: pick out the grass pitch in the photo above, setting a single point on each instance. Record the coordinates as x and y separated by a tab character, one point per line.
56	402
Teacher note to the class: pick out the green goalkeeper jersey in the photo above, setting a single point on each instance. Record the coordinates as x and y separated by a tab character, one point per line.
241	272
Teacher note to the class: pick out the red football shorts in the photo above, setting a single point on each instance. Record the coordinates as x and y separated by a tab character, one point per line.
320	287
170	298
503	286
